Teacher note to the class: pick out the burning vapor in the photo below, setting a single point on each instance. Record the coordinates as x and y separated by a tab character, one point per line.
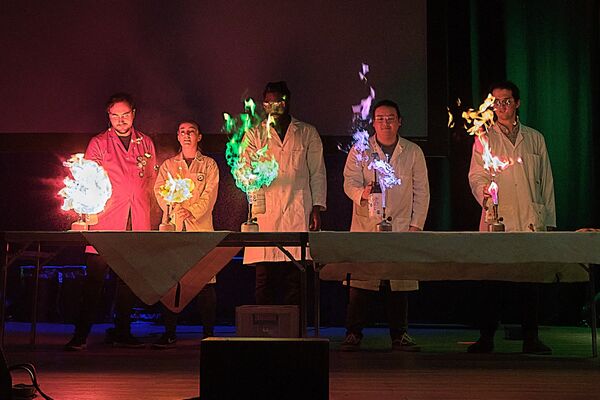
90	188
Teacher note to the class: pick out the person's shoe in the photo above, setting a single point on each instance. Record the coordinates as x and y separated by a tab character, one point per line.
166	341
127	341
77	343
351	342
405	343
536	347
481	346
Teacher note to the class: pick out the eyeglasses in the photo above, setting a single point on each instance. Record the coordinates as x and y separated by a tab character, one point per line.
271	104
126	115
388	119
504	102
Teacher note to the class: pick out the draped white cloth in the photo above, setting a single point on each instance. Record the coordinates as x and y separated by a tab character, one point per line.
151	263
436	256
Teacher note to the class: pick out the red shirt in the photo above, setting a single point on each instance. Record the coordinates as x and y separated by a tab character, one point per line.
131	172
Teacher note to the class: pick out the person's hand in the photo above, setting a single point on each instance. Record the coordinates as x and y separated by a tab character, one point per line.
182	214
414	229
367	191
315	219
486	193
487	197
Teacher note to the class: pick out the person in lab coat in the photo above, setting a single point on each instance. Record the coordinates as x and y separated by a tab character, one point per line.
129	158
406	203
294	200
526	203
194	214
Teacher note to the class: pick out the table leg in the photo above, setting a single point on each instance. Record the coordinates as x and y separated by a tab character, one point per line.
36	287
593	317
4	277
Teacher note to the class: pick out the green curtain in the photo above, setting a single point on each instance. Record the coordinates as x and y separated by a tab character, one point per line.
549	47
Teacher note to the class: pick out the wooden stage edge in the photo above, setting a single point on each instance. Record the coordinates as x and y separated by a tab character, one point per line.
441	370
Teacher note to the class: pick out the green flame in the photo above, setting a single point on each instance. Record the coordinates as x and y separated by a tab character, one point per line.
251	170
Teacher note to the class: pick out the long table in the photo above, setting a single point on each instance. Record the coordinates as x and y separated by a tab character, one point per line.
153	264
440	256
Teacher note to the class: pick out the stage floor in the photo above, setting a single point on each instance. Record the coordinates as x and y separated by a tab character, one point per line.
442	370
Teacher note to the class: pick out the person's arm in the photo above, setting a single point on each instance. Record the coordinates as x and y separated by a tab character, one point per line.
420	204
207	199
479	179
317	179
354	184
152	162
161	178
547	188
93	151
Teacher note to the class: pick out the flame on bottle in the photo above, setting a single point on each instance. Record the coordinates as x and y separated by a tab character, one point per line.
90	188
176	190
251	170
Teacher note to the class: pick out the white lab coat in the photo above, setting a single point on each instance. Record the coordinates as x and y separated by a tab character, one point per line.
406	203
525	188
300	184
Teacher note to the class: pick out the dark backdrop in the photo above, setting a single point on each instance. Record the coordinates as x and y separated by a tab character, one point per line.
186	58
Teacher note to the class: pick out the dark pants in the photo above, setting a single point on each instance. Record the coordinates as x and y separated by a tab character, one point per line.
491	294
207	304
361	305
275	281
96	270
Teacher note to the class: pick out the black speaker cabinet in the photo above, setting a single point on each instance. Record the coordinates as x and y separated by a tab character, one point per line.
264	368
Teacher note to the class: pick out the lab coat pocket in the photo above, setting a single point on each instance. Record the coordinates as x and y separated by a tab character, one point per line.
297	159
537	217
362	210
531	164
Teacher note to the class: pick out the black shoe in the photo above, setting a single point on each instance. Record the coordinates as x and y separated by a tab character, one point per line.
351	342
536	347
128	341
77	343
405	343
166	341
481	346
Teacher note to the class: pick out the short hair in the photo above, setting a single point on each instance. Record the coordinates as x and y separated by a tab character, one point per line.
516	93
188	121
120	97
387	103
277	87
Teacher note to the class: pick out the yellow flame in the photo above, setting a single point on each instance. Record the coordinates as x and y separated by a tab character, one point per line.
450	119
176	190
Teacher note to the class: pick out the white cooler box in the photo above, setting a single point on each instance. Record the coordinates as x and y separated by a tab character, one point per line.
267	321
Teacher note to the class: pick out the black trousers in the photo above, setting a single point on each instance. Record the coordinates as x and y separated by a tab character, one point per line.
360	309
491	295
96	269
277	283
207	305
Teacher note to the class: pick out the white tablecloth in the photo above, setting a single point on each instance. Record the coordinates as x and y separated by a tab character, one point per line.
152	263
435	256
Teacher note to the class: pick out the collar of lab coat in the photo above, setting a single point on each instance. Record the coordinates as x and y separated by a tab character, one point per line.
400	145
292	128
498	131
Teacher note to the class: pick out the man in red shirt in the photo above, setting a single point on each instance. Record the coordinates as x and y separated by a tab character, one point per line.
129	158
